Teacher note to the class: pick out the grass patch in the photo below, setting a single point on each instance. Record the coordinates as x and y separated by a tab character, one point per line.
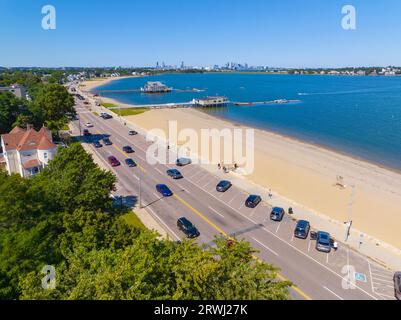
130	111
65	127
132	219
95	113
108	105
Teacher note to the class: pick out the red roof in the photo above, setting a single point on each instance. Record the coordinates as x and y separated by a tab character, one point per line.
31	164
30	139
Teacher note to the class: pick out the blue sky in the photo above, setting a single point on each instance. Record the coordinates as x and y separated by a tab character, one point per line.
287	33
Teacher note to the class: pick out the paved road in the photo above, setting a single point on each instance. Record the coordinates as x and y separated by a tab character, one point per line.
316	275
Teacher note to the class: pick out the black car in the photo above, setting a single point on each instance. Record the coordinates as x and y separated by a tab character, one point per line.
252	201
302	229
107	142
132	132
277	214
97	144
174	173
187	227
130	163
164	190
128	149
106	116
223	186
397	285
86	133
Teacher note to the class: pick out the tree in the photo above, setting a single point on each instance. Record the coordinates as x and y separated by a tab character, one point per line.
10	108
56	103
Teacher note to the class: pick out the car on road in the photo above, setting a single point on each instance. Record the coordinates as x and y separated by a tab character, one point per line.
128	149
132	132
106	116
277	214
187	227
174	173
323	242
223	186
86	102
97	144
164	190
87	133
397	285
113	161
183	162
302	229
89	125
252	201
107	142
130	163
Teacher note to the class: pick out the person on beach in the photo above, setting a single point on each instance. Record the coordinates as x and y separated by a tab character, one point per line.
335	245
219	166
270	194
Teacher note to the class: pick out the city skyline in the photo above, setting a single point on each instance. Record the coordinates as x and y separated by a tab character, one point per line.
284	34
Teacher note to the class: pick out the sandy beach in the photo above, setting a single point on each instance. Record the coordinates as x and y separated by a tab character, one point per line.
307	174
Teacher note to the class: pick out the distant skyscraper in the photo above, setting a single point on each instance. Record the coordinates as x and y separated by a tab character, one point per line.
182	65
157	65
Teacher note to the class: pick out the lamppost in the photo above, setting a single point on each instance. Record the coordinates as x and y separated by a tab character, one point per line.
349	222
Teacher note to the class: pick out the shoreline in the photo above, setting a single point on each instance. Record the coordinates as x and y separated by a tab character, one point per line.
243	125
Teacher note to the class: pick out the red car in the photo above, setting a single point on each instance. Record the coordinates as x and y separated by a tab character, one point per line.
113	161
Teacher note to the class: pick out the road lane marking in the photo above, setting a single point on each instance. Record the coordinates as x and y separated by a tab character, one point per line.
215	211
278	227
266	247
327	258
333	293
292	238
165	224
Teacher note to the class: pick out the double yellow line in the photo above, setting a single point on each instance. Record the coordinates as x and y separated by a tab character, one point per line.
221	231
282	278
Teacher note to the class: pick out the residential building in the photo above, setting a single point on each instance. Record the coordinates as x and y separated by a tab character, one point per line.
16	89
27	151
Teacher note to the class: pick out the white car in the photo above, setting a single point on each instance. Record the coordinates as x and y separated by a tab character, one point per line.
89	125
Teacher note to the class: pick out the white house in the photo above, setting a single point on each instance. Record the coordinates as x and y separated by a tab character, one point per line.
27	151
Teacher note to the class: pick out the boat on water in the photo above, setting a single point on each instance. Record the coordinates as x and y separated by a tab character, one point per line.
155	87
210	101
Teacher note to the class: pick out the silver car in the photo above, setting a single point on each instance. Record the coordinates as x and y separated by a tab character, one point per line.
323	242
183	162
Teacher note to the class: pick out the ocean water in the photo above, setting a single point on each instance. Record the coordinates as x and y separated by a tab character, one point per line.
360	116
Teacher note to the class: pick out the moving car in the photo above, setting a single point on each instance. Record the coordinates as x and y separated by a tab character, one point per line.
223	186
130	163
397	285
302	229
132	132
164	190
106	116
187	227
183	162
252	201
107	141
323	242
277	214
89	125
113	161
97	144
87	133
174	173
128	149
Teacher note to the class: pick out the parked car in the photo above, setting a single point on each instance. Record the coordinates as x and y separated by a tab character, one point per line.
164	190
89	125
86	133
130	163
128	149
223	186
302	229
97	144
183	162
174	173
113	161
107	142
277	214
252	201
132	132
323	241
187	227
397	285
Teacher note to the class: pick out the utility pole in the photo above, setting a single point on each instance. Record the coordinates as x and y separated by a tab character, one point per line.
349	222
